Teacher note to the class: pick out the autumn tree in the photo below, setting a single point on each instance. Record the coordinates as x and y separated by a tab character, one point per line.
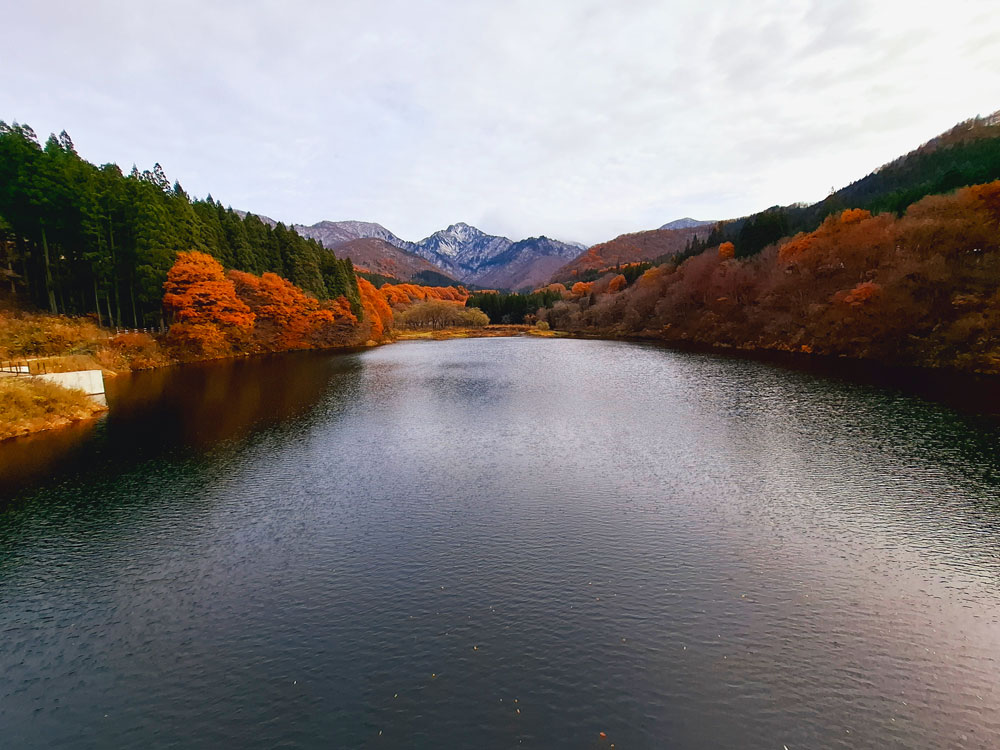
287	318
208	318
435	313
377	313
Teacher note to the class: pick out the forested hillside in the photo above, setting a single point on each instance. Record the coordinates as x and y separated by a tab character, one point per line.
918	289
80	239
968	154
655	244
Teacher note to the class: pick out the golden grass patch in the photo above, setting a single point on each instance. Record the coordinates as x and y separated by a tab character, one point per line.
30	405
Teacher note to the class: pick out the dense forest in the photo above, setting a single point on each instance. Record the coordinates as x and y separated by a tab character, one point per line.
918	289
80	239
503	308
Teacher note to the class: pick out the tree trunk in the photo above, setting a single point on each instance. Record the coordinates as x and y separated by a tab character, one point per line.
115	283
97	304
48	273
22	251
118	303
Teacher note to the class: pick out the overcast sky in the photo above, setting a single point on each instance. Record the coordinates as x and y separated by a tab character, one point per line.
578	120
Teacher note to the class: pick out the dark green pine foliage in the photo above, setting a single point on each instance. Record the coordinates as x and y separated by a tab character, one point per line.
631	271
511	308
80	239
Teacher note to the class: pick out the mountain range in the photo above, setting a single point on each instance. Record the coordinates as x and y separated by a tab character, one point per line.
335	233
460	252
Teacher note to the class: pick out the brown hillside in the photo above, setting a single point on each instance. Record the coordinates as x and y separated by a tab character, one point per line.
629	248
380	257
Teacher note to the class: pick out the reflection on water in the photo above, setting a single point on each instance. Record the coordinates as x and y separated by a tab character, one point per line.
506	543
184	408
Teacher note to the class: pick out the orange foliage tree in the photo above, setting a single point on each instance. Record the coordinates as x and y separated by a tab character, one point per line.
860	294
378	314
617	283
854	216
727	250
287	318
555	287
405	294
208	318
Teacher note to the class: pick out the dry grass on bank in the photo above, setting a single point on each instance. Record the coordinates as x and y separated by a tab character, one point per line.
68	363
38	335
29	405
56	343
462	333
132	351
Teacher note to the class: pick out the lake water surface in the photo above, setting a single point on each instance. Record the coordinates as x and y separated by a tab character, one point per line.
503	543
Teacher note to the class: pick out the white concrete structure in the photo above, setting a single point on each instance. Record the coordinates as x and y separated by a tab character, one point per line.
90	382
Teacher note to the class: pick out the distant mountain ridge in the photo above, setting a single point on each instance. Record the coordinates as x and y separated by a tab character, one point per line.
526	264
334	233
686	223
460	251
378	256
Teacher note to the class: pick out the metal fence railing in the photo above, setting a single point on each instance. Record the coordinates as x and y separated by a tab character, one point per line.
15	367
153	330
39	366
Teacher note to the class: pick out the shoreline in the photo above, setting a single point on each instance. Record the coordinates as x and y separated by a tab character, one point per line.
858	368
40	406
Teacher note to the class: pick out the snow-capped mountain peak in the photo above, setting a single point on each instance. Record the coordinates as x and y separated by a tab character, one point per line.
333	233
462	246
461	250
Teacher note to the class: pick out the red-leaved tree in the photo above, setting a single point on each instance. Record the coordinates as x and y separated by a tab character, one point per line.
207	318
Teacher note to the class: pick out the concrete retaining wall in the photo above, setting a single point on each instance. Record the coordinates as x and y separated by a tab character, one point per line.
90	382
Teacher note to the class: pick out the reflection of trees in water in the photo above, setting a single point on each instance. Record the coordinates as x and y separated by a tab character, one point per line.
25	458
201	405
190	407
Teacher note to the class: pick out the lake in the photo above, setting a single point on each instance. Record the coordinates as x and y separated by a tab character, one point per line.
503	543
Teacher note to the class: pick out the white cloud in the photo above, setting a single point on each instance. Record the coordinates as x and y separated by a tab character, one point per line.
576	120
